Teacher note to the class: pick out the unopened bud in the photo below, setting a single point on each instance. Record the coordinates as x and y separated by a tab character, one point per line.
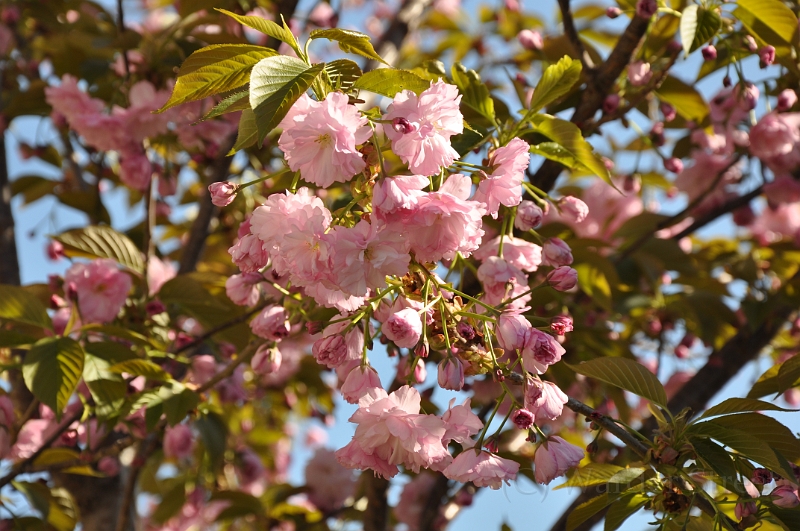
403	126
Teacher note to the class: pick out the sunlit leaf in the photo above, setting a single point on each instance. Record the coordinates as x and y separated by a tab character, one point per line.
349	42
626	374
18	305
52	369
101	241
389	81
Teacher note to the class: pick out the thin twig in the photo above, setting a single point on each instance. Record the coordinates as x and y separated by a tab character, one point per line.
610	426
575	39
121	28
244	356
730	206
217	329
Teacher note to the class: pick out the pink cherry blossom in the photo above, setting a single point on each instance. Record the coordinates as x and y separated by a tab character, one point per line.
249	254
101	287
334	349
709	52
611	103
434	116
530	40
540	351
544	399
7	415
482	468
562	278
786	99
767	54
504	185
319	139
561	324
404	328
329	483
244	289
512	330
522	419
785	496
158	273
529	216
359	382
283	213
775	139
444	224
391	431
396	197
502	281
364	255
461	423
554	458
520	253
573	209
204	367
178	441
271	323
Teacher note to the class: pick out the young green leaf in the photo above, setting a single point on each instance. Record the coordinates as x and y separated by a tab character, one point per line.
557	80
349	42
275	84
623	508
265	26
740	405
474	92
777	379
698	26
214	69
689	104
238	101
101	241
591	474
389	81
768	19
52	369
343	73
18	305
626	374
586	510
247	133
140	367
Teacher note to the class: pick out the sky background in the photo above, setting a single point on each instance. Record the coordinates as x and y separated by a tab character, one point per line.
523	505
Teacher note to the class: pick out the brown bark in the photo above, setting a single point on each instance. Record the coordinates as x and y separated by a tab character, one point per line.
9	264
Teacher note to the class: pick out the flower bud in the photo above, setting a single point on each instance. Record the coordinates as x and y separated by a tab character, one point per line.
271	323
668	111
673	164
562	278
561	324
767	54
646	8
556	252
266	360
761	476
55	250
522	419
178	441
613	12
786	99
223	194
785	496
359	382
530	40
465	330
709	52
610	104
451	374
750	42
402	125
529	216
573	208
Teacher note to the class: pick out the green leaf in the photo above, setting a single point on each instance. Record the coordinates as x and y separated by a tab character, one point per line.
10	338
349	42
591	474
688	103
768	19
237	101
740	405
107	388
788	374
101	241
750	446
214	433
389	81
474	92
52	369
18	305
626	476
698	26
622	509
594	283
789	518
569	137
172	399
718	460
778	436
557	80
275	84
554	151
343	73
241	504
626	374
171	503
215	69
140	367
265	26
586	510
248	132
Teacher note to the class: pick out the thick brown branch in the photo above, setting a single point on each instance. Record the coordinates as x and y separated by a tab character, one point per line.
376	516
199	231
9	265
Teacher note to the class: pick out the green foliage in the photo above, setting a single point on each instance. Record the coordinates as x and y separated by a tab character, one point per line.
474	93
52	369
586	510
698	26
101	241
275	84
740	405
623	508
215	69
777	378
557	80
688	103
349	41
626	374
18	305
267	27
591	474
389	81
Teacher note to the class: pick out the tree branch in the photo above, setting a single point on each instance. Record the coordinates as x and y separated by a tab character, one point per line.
574	38
199	231
376	516
710	216
9	265
224	326
406	20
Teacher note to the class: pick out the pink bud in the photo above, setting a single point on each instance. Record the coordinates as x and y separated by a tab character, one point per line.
646	8
561	324
562	278
709	52
573	208
639	73
767	54
530	40
403	327
465	330
271	323
786	99
761	476
785	496
529	216
556	252
359	382
266	360
613	12
668	111
554	458
522	419
402	125
178	441
675	165
223	194
55	250
611	104
451	374
750	42
109	466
